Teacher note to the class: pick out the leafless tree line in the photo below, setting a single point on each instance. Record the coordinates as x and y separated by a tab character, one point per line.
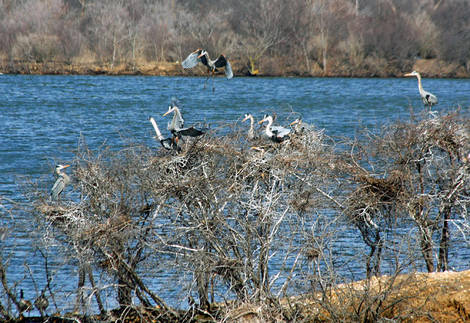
241	225
304	37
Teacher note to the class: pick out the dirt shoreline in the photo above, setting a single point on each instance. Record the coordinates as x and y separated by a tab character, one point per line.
417	297
427	67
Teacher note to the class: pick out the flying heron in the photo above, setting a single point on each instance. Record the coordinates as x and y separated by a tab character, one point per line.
275	133
251	132
201	55
167	143
177	123
62	180
428	98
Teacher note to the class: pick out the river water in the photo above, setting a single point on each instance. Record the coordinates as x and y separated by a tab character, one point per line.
43	117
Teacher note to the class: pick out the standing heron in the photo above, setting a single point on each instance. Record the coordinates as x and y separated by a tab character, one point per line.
62	180
167	143
275	133
428	98
177	123
251	132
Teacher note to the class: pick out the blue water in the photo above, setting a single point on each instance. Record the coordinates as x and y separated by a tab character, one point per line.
42	119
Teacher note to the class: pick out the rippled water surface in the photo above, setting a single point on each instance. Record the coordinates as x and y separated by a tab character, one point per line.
43	117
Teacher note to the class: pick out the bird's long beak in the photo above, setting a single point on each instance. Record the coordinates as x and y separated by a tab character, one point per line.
166	113
65	166
244	119
408	74
261	121
294	122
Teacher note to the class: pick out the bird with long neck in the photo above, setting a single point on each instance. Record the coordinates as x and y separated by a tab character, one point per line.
167	143
251	131
275	133
62	180
428	98
177	123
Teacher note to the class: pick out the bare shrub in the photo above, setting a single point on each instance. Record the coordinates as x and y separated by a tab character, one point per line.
37	47
247	227
413	173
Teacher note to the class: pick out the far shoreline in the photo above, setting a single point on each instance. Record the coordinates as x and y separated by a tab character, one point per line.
429	68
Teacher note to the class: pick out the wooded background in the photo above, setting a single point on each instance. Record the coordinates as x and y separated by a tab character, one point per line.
272	37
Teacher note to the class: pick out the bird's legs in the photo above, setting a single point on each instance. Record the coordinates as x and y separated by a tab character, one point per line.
207	78
213	87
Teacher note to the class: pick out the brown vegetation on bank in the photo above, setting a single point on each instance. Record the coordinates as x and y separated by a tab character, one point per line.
262	37
429	68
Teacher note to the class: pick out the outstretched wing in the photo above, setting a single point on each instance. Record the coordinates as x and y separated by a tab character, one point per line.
191	132
155	127
191	60
228	70
221	61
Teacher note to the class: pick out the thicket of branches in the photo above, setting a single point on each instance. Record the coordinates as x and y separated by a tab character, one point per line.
368	37
239	225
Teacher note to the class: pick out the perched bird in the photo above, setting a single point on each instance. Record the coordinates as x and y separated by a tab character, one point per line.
275	133
251	132
300	127
177	123
428	98
41	303
201	56
167	143
62	180
23	304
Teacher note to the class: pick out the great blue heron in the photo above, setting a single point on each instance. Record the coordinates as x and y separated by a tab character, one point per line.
201	56
62	180
177	123
300	127
41	303
167	143
275	133
23	304
428	98
251	132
